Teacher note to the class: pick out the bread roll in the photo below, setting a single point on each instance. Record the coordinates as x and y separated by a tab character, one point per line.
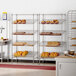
51	22
43	22
47	22
23	21
45	54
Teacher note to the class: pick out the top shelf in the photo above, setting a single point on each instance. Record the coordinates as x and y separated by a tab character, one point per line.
52	21
24	21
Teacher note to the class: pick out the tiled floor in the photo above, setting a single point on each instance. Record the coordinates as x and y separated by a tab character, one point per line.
25	72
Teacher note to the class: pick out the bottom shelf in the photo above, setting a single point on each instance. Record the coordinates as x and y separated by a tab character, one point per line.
29	56
47	59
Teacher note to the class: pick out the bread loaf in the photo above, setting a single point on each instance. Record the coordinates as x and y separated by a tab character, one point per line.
53	43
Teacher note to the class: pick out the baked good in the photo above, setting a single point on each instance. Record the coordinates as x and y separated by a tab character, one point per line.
19	21
15	54
73	27
26	52
47	22
73	44
20	53
19	43
53	43
56	34
50	33
23	21
45	33
19	33
56	21
73	21
28	33
73	38
15	22
23	54
53	54
43	22
45	54
51	22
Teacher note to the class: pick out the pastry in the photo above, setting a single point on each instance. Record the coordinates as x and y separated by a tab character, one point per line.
19	21
51	22
73	21
73	44
23	21
47	22
20	53
53	43
73	38
26	52
15	54
43	22
56	21
23	54
45	54
73	27
15	22
53	54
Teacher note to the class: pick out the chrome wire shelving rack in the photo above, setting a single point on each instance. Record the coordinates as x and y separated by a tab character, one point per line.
26	33
72	29
58	33
33	36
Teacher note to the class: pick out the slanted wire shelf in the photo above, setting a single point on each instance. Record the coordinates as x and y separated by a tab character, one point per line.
44	43
29	56
61	21
50	58
28	21
61	32
28	43
27	32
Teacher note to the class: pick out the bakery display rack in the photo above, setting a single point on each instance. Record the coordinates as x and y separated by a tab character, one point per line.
52	36
24	37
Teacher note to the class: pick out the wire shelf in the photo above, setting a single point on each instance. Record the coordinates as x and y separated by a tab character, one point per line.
29	56
61	21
